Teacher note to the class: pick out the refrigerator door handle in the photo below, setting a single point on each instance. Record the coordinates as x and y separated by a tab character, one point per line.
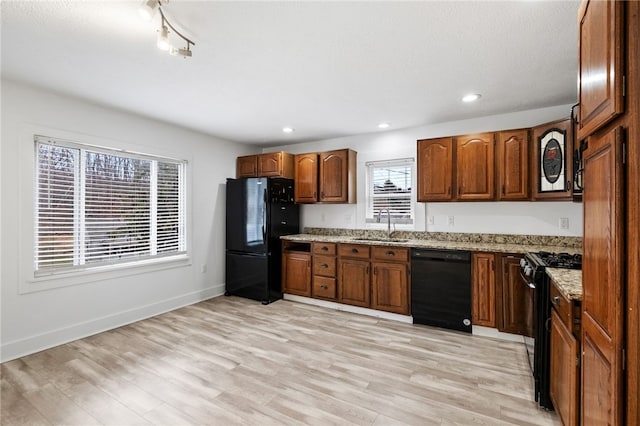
264	215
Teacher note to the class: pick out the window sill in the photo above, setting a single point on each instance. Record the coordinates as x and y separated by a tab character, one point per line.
71	278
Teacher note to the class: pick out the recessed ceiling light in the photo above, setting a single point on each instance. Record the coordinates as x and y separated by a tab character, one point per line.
287	129
383	125
471	97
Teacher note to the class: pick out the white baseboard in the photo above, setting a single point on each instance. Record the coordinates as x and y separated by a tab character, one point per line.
29	345
348	308
494	333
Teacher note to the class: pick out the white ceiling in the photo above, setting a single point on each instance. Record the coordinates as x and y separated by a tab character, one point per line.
326	69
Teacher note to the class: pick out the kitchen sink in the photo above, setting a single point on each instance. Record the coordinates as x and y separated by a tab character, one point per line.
382	240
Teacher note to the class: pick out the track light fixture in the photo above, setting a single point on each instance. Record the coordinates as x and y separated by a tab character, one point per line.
147	10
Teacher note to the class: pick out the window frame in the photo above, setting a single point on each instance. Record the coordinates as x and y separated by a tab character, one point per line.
371	222
29	282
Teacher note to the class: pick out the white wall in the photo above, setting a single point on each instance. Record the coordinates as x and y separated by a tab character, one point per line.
536	218
35	320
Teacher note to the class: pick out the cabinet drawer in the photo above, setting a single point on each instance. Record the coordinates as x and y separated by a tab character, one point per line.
324	248
389	254
357	251
324	287
562	306
324	265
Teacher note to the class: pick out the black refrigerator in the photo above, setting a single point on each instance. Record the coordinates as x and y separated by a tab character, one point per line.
259	211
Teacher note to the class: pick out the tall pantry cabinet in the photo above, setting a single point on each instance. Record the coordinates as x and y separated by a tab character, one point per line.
609	127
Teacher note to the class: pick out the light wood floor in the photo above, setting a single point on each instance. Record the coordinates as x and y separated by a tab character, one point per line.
234	361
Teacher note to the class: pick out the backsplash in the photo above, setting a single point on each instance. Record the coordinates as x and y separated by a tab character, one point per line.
537	240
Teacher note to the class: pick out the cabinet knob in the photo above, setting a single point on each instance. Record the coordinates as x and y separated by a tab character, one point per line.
391	253
354	250
555	300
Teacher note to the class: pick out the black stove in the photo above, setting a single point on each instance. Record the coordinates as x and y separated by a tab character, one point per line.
532	270
557	260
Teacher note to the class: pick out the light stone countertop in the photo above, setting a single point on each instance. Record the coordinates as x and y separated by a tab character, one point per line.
569	282
436	244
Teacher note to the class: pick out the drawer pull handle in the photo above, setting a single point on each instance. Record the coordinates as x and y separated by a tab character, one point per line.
325	287
391	253
555	300
354	250
324	248
324	265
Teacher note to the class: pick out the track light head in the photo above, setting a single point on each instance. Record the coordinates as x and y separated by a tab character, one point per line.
147	9
163	38
186	52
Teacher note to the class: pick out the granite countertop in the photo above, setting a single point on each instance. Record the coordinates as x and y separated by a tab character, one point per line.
569	282
502	247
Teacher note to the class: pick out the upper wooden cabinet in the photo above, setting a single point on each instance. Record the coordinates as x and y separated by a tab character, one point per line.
601	74
306	178
271	164
435	169
552	161
326	177
460	168
475	167
512	165
247	166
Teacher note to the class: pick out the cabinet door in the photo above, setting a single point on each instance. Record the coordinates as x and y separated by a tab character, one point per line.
563	386
512	158
602	280
247	166
435	169
306	178
296	273
475	167
601	73
270	164
389	287
353	282
515	311
552	161
334	176
483	290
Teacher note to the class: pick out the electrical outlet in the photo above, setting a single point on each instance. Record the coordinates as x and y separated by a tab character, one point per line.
451	220
564	223
203	268
431	220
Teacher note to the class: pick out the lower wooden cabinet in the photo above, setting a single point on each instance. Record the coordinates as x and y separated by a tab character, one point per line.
375	277
324	271
296	273
483	289
354	286
565	371
389	287
513	307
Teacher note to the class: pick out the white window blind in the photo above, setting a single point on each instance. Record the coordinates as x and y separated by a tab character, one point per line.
389	191
97	207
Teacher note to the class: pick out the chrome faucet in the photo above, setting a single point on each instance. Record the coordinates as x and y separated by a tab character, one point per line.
389	232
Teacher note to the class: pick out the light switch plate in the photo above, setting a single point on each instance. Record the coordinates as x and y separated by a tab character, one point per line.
564	223
451	220
431	220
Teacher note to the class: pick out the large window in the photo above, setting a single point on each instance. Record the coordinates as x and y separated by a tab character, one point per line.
389	191
96	207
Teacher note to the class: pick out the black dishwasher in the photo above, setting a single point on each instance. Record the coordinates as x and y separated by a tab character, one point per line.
441	288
